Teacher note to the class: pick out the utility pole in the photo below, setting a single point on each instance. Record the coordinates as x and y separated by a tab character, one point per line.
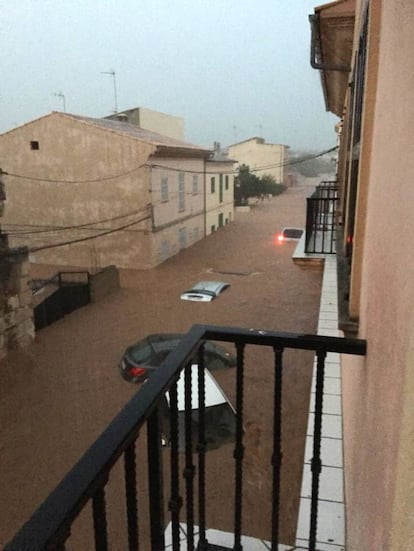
113	74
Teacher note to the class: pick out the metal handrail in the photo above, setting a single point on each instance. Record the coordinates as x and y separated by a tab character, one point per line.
49	527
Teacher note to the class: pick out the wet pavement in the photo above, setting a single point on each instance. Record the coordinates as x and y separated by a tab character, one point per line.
59	394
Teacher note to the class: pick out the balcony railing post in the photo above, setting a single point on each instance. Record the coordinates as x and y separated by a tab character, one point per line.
131	496
239	449
175	501
155	478
316	464
277	445
189	469
99	520
201	448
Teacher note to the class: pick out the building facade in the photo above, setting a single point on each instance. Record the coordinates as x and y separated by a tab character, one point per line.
155	121
262	158
364	51
93	192
219	198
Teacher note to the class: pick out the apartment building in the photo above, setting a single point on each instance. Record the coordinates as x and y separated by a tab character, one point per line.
262	158
364	51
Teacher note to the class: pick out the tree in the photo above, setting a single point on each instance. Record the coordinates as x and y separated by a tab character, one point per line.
249	185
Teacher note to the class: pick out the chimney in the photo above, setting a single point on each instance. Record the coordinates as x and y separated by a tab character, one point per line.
122	117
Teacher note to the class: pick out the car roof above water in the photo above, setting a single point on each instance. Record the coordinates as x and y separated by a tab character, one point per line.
213	393
204	291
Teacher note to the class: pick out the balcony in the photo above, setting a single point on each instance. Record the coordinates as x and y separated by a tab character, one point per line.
113	457
321	219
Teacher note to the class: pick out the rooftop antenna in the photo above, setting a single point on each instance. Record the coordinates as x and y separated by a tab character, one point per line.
235	133
113	74
260	127
61	95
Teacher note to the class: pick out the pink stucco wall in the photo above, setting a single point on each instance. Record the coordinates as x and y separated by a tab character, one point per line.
379	392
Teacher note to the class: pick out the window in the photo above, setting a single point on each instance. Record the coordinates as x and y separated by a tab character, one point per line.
165	250
182	237
195	184
164	190
221	188
213	184
213	228
220	220
181	191
227	182
34	145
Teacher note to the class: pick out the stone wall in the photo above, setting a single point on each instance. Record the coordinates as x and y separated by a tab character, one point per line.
16	312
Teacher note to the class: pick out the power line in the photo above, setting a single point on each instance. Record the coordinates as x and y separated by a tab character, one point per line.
64	228
57	181
276	165
171	169
61	244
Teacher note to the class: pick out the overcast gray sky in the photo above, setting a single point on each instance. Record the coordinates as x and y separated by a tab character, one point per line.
230	68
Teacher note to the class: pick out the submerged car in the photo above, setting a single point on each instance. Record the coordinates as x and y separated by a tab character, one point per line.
289	234
219	414
144	357
204	291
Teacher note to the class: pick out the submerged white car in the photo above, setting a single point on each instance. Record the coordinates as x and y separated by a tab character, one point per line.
289	234
204	291
219	414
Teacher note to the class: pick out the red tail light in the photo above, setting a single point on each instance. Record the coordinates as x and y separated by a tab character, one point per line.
137	371
279	238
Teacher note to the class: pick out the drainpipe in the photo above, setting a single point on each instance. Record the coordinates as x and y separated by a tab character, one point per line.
316	41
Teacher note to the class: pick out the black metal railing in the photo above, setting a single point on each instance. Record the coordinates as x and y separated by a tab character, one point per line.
50	526
70	291
321	219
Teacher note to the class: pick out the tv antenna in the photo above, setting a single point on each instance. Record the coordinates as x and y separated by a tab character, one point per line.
113	75
61	95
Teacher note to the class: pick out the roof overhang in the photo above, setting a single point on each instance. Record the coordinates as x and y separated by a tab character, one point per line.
332	28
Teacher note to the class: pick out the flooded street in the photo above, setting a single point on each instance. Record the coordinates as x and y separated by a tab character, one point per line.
60	393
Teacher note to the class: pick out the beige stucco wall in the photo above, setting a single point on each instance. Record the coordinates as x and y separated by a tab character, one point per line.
173	238
214	207
378	393
70	150
255	154
162	123
167	125
175	228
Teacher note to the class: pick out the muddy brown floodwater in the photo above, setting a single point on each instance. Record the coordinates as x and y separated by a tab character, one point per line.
59	394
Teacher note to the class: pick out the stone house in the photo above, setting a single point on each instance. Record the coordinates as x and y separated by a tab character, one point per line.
93	192
262	158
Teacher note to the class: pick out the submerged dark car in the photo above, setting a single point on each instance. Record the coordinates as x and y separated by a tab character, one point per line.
145	356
